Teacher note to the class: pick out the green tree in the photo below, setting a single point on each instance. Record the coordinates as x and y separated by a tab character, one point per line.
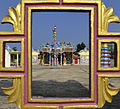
111	47
80	46
14	48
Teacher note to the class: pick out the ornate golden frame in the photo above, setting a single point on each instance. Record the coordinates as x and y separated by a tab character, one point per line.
16	17
99	55
92	51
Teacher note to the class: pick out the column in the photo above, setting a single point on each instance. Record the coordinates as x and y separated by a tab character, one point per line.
17	59
72	59
61	58
43	59
12	60
64	61
50	59
57	62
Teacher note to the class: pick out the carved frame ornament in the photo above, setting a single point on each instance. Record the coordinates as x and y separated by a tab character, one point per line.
20	17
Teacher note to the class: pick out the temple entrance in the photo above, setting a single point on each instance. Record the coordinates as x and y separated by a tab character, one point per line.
69	58
59	72
46	58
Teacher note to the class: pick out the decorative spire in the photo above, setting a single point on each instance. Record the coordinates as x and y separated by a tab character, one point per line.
55	63
54	32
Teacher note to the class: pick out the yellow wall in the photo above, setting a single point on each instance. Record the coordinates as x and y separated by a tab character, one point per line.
84	53
35	53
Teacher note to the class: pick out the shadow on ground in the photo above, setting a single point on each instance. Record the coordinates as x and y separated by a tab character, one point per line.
5	83
115	103
70	88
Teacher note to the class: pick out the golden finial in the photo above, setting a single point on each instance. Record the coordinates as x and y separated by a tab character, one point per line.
105	45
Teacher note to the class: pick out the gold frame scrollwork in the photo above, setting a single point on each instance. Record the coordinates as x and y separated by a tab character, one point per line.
105	92
108	17
16	17
15	93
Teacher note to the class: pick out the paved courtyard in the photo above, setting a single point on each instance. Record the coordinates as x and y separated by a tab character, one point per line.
61	81
67	81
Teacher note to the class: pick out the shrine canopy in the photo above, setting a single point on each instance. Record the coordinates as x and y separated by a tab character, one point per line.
60	47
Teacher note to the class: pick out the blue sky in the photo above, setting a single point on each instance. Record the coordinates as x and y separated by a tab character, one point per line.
71	27
17	45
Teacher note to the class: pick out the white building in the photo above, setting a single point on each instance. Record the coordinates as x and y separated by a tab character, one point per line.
7	57
84	57
12	58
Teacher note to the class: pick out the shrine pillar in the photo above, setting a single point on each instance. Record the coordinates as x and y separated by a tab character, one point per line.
64	61
43	59
50	59
61	58
17	60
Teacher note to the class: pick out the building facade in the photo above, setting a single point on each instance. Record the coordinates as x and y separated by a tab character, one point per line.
12	58
64	54
84	57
